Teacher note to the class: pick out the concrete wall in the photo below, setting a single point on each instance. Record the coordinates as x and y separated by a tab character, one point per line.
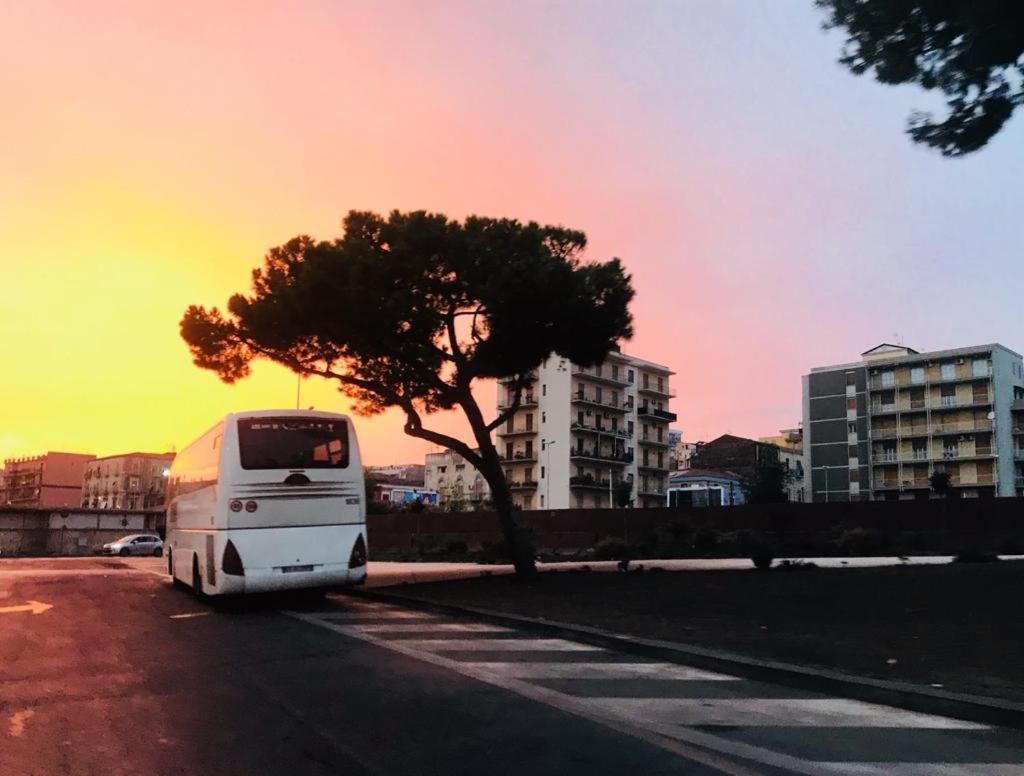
934	526
68	532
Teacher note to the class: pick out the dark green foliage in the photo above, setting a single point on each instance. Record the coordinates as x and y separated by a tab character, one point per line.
940	482
972	51
410	310
768	485
623	492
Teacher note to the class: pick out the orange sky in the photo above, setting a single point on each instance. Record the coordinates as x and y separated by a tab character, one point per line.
151	153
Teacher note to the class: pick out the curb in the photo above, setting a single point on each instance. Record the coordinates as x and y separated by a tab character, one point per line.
912	697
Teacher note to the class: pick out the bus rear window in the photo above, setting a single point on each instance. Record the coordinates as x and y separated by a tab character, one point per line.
293	443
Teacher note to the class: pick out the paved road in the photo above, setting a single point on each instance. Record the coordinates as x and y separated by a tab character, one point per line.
125	675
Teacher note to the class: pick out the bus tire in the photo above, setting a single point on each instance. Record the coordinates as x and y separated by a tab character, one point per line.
197	580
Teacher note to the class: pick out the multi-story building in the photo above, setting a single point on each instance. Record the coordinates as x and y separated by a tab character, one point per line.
580	432
879	428
457	482
1017	421
48	480
126	481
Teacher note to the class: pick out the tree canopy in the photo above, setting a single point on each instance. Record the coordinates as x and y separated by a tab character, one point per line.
972	51
407	311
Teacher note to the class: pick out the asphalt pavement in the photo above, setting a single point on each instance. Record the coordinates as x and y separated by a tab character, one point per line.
106	669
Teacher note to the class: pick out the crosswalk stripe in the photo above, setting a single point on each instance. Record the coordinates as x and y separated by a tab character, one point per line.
511	645
769	712
603	671
455	627
928	769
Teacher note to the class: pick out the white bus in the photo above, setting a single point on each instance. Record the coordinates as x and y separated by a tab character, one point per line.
268	500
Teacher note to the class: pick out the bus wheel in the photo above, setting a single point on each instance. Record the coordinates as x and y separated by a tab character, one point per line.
175	582
197	581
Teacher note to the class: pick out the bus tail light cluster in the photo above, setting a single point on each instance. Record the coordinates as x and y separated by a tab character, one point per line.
251	506
236	505
358	557
232	563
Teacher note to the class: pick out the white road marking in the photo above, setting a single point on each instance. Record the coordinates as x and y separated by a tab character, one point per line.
376	615
930	769
668	671
434	627
487	645
188	615
776	712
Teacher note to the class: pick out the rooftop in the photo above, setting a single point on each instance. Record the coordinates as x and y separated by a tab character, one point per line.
905	355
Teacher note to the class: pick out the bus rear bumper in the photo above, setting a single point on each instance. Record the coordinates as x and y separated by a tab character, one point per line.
269	580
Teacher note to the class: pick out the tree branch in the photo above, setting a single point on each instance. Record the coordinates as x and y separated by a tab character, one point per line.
513	408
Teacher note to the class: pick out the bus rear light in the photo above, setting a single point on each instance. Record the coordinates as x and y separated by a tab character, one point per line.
358	557
232	563
236	505
251	506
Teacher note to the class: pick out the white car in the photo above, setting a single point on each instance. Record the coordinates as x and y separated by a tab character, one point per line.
135	544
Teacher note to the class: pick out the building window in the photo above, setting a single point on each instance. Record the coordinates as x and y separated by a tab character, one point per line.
543	389
948	371
851	428
851	404
851	378
543	417
542	475
631	376
980	367
917	374
854	475
888	379
529	421
615	372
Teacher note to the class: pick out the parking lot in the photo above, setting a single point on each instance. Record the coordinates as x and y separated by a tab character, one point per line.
106	669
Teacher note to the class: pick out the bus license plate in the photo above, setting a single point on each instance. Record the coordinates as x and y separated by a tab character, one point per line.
294	569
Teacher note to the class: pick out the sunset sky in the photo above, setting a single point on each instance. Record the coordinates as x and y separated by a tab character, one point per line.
771	210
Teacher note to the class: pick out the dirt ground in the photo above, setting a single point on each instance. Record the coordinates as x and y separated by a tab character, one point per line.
960	626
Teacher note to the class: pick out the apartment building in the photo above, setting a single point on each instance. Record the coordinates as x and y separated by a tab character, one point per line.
49	480
126	481
880	427
580	432
457	482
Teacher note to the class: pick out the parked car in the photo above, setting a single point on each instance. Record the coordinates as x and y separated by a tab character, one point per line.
135	544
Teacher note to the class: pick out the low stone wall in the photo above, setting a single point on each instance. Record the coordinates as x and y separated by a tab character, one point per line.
69	531
935	526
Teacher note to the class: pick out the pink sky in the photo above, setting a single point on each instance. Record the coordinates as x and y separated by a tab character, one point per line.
764	200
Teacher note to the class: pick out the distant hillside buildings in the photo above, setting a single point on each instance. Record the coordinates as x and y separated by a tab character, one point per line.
879	428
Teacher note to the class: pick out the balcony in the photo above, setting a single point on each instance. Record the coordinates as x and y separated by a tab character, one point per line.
524	485
662	416
1018	481
652	492
950	402
600	375
883	409
663	392
888	456
653	441
653	467
589	481
601	457
531	375
582	398
619	433
506	432
519	458
885	433
529	400
962	427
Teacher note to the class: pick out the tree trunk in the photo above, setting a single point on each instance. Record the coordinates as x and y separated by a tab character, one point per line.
520	546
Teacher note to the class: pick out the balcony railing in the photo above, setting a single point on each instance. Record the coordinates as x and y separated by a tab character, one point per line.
524	485
889	456
597	455
653	441
653	466
590	481
1018	481
519	458
581	398
621	433
962	427
531	375
505	431
601	375
654	390
662	415
879	408
651	491
527	401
